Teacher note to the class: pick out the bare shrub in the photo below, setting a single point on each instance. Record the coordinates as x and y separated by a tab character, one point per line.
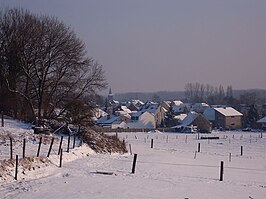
102	143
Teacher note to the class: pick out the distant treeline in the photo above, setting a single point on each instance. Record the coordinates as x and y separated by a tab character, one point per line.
248	96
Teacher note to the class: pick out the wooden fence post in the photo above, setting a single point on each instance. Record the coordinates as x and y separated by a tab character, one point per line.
61	157
241	151
60	145
39	148
68	143
24	148
74	141
130	149
80	141
198	147
16	169
134	163
2	116
221	171
50	148
151	143
11	148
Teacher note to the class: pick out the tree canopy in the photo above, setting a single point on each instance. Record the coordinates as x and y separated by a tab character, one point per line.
43	64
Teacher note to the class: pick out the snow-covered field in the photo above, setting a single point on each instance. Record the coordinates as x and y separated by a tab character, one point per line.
172	169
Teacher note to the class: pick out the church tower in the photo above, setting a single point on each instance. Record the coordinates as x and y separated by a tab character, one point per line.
110	96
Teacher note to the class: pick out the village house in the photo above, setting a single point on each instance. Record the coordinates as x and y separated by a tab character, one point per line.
209	113
142	120
97	114
114	121
132	107
137	103
262	123
201	123
199	107
228	118
179	118
166	105
160	116
178	107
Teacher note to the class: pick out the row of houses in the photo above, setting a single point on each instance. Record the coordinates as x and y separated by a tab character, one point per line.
150	115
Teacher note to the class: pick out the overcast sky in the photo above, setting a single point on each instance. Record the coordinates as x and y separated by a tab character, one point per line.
158	45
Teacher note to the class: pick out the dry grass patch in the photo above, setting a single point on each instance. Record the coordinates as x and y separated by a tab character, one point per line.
102	143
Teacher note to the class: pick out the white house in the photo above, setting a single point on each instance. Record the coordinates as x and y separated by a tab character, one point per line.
228	118
113	121
143	120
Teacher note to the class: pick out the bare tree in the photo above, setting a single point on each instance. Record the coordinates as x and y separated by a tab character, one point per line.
189	91
45	63
229	92
202	91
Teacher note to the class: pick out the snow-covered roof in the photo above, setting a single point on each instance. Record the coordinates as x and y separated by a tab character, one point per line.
181	117
107	120
201	104
167	102
161	109
190	118
209	113
99	113
122	113
262	120
164	109
151	107
179	108
228	111
124	108
177	102
115	101
137	102
137	114
122	125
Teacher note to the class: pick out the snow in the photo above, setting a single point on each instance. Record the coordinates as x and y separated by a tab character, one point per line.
177	102
181	117
228	111
172	169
